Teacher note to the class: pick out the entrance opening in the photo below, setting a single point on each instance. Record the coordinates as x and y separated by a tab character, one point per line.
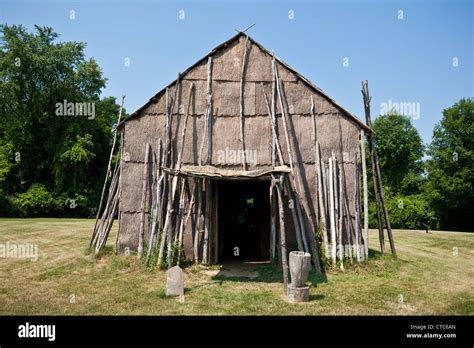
243	220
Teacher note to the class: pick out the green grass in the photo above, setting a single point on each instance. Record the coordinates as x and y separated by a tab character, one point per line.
428	274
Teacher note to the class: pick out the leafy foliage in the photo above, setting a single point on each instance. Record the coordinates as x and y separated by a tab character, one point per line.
400	151
450	187
65	154
37	201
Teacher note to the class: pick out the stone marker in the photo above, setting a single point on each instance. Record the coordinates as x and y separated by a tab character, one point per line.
174	281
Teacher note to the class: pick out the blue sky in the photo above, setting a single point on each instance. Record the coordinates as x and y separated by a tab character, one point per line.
408	50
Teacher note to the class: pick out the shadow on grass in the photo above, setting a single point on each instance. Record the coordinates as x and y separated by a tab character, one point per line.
263	273
316	297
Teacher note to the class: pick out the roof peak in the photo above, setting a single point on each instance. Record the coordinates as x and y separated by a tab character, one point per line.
265	50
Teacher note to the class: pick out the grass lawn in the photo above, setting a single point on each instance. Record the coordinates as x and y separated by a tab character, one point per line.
434	274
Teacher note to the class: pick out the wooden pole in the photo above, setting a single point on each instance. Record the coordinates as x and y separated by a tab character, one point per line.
107	174
155	218
209	110
271	113
275	141
242	76
341	214
273	222
143	201
366	195
296	223
181	230
284	260
116	245
304	233
331	212
198	191
207	223
356	206
316	161
376	168
216	225
102	228
285	127
374	172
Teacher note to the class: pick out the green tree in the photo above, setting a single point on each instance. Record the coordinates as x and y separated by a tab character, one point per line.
450	186
400	152
66	154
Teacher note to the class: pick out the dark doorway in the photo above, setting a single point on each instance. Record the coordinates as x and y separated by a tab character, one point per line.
243	220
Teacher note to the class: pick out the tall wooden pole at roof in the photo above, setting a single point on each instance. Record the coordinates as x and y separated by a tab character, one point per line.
376	168
242	76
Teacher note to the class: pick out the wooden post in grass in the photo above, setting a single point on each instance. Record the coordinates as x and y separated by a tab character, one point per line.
376	167
341	215
331	212
366	194
374	171
107	174
273	231
284	260
207	222
141	233
356	206
198	190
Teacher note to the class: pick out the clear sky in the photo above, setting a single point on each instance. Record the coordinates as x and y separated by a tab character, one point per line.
417	52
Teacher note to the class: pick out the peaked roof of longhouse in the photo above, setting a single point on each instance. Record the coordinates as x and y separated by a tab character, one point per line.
224	45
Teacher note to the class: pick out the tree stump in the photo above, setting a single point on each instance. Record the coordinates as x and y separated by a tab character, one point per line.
300	262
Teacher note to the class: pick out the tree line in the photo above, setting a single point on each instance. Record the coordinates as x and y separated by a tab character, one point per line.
56	133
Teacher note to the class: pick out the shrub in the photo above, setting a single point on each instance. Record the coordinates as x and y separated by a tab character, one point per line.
37	201
407	212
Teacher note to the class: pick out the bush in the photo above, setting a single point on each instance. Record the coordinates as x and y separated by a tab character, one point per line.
407	212
37	201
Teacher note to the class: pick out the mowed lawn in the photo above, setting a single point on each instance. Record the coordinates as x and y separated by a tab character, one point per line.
434	274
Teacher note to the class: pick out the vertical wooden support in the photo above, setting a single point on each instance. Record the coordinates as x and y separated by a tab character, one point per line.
307	235
116	245
285	127
366	195
107	176
198	190
275	143
273	232
207	222
141	233
316	163
341	214
332	212
283	254
376	171
215	224
209	110
242	77
356	207
271	112
296	222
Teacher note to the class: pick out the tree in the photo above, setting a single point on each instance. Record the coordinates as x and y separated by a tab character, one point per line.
66	151
400	152
450	186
